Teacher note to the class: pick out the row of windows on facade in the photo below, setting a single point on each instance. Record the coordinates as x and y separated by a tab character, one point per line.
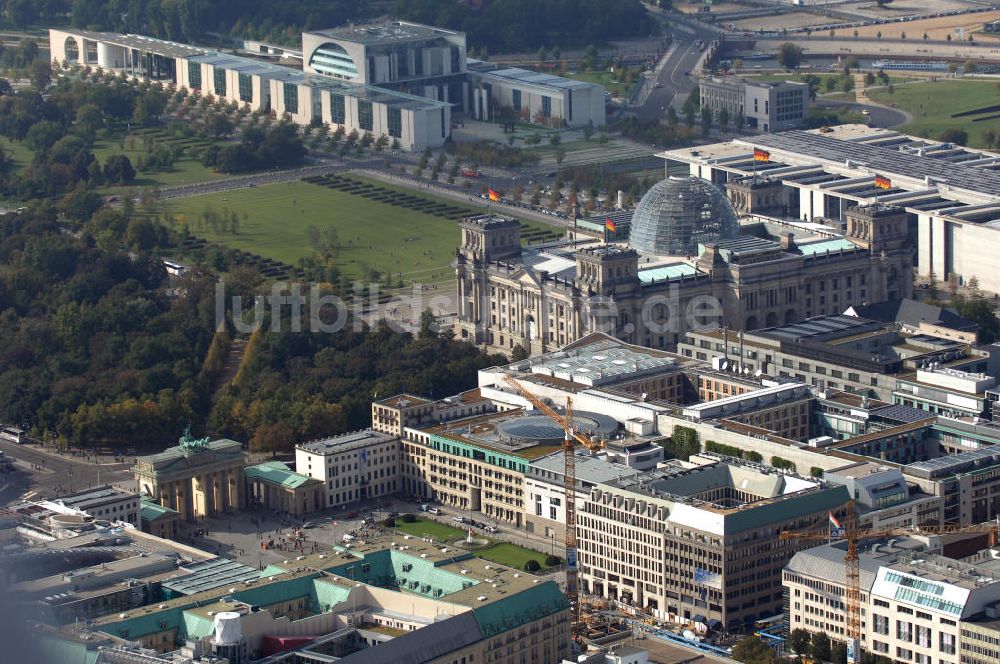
352	495
338	113
117	508
372	475
546	104
401	59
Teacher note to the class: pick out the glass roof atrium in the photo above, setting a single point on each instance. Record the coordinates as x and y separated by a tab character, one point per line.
678	214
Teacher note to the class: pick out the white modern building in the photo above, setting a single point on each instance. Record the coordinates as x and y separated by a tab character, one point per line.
945	391
418	59
104	503
416	122
545	489
535	97
354	466
951	194
915	597
760	106
431	62
697	543
884	499
400	79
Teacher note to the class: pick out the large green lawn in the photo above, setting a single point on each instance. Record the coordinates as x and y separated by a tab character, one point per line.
186	170
19	153
511	555
616	88
372	235
933	103
502	553
422	528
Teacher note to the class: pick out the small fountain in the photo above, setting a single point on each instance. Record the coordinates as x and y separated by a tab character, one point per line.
471	542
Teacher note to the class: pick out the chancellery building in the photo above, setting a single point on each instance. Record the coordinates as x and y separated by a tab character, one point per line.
395	78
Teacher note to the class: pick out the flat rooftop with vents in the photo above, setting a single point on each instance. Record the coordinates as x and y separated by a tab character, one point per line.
346	442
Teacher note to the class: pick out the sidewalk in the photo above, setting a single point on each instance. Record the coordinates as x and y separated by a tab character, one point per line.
507	532
82	457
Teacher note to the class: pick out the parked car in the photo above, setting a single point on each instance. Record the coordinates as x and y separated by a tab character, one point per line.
309	524
460	519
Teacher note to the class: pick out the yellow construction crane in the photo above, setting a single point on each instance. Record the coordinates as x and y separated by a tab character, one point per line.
572	436
852	563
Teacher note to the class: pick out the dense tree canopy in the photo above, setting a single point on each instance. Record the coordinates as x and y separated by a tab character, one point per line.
526	25
94	347
318	384
790	55
89	346
61	127
276	146
522	25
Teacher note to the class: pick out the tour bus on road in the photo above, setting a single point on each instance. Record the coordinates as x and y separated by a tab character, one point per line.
12	434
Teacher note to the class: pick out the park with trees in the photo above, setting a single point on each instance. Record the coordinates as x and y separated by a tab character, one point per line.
100	349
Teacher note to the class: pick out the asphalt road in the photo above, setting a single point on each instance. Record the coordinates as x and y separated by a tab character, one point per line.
672	71
878	116
49	475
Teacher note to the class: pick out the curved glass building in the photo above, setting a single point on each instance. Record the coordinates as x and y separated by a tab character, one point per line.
677	214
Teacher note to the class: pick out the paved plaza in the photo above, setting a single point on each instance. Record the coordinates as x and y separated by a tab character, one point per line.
259	536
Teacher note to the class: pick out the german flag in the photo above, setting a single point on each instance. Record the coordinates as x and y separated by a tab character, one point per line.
761	155
610	224
882	182
494	195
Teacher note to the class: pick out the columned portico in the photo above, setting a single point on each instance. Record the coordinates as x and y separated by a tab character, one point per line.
197	478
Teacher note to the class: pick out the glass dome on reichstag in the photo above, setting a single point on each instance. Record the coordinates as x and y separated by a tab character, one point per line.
678	213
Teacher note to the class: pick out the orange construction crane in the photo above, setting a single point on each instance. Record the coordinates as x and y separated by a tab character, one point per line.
572	436
852	563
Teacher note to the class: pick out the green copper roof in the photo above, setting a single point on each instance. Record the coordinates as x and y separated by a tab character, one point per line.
197	626
666	272
533	603
827	246
398	570
329	594
149	623
272	570
277	472
59	650
151	510
777	511
190	455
